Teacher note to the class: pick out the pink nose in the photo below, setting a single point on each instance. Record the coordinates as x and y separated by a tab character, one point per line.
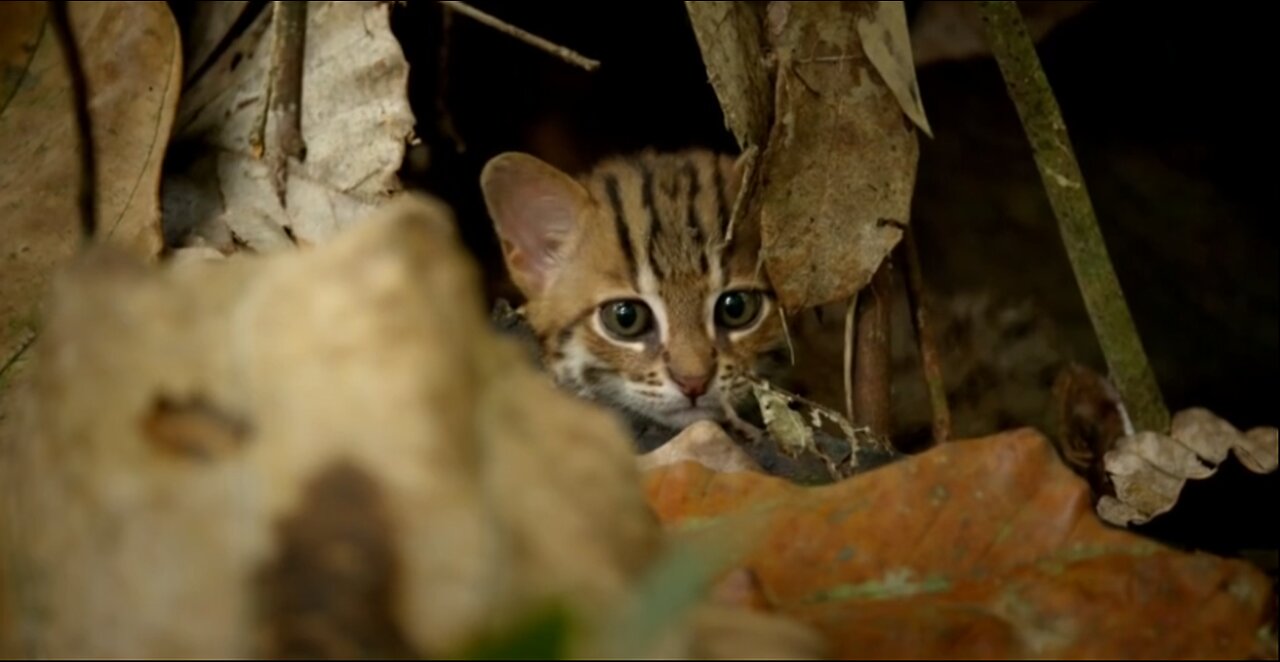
691	386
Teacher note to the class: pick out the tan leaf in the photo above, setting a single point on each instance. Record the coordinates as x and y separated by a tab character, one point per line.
839	167
730	37
887	43
1149	469
132	62
355	121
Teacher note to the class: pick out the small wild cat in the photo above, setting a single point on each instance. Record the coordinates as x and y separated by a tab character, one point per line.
636	297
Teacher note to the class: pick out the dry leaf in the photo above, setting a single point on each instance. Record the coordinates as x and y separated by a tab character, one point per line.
132	63
887	43
840	164
730	36
1149	469
355	122
982	548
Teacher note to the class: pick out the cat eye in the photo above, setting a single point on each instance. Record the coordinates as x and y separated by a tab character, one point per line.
628	319
738	309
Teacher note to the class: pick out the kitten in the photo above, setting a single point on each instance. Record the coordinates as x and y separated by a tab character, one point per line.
632	292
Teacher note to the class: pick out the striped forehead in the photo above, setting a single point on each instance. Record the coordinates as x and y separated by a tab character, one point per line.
669	214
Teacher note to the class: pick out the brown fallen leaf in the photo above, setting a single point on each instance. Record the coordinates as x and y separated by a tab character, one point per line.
1149	469
839	167
984	548
355	121
132	63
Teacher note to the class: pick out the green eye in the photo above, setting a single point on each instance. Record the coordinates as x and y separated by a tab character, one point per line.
627	320
735	310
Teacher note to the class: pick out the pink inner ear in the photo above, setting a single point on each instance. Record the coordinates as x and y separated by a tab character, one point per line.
539	225
535	210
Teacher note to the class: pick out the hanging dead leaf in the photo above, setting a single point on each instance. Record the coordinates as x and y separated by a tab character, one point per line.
1150	469
730	36
980	548
839	167
132	63
887	42
355	119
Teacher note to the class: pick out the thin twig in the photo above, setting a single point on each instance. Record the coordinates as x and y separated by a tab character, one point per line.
557	50
1042	121
871	378
930	363
285	104
80	99
848	355
448	129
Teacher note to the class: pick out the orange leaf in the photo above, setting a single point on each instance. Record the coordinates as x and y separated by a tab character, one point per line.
982	548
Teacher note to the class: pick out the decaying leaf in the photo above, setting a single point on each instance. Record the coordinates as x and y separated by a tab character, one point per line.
839	167
982	548
832	188
132	63
730	36
793	434
355	121
1149	469
887	42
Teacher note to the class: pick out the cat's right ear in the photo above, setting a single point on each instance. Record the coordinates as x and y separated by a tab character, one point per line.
535	210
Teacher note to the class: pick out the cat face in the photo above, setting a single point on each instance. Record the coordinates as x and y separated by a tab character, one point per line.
639	296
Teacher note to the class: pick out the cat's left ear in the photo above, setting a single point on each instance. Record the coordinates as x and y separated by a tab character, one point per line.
535	209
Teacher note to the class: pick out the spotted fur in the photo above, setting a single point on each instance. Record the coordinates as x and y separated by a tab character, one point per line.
652	227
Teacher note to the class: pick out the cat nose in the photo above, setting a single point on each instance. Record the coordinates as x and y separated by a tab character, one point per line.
691	386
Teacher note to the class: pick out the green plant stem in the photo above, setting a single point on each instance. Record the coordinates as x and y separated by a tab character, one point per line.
1063	182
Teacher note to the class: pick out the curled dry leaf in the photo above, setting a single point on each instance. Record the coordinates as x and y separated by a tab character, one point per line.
1149	469
839	168
355	119
980	548
132	62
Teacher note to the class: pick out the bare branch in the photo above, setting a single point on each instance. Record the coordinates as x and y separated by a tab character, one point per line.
534	40
909	257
